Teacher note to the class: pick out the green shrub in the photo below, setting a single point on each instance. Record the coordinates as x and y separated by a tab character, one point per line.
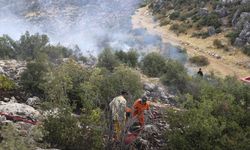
210	20
218	44
68	132
216	118
153	65
130	58
6	84
199	60
11	140
7	50
107	59
175	75
232	36
175	15
246	50
202	34
164	22
179	28
33	76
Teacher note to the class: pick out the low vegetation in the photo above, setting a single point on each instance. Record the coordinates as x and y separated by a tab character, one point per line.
199	60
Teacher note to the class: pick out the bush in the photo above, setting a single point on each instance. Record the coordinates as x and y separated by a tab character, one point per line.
215	119
175	75
218	44
6	84
68	132
199	60
179	28
7	50
11	140
130	58
33	76
202	34
246	50
232	36
107	60
175	15
153	65
210	20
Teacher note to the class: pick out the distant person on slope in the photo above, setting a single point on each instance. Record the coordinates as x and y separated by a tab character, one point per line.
118	110
200	73
139	107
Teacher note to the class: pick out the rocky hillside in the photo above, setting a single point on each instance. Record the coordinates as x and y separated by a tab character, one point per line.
206	18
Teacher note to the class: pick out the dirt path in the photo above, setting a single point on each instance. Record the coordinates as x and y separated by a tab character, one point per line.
230	63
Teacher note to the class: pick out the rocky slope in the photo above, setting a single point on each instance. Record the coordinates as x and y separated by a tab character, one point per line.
233	14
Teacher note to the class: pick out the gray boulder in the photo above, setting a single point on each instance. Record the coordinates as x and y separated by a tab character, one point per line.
211	30
239	42
222	12
203	12
19	109
148	86
33	101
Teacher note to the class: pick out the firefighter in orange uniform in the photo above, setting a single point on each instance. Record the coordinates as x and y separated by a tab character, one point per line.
139	107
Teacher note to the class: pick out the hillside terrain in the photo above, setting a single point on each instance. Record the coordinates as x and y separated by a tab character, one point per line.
202	29
58	97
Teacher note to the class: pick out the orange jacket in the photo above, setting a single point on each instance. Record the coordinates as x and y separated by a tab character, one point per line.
139	108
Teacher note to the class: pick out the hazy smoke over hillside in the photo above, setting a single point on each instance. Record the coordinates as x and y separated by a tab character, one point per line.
91	24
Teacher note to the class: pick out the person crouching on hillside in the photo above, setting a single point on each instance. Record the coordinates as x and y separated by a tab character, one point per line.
118	110
139	107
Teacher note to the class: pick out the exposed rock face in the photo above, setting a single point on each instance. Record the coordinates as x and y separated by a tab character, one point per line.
244	36
157	92
222	12
19	109
33	101
12	68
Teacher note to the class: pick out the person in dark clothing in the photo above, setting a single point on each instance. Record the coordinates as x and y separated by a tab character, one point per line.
200	72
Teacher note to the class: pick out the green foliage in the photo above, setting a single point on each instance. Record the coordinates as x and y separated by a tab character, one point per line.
246	50
11	140
7	49
179	28
218	44
210	20
33	76
199	60
107	60
175	75
6	84
175	15
130	58
215	118
63	84
153	65
232	36
201	34
70	132
29	45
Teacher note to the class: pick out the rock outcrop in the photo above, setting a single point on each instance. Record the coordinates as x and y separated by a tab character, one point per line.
12	68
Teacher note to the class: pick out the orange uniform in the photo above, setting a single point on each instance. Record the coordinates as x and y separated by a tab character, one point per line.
139	108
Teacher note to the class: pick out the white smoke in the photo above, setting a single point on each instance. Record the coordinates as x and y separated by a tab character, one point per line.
91	24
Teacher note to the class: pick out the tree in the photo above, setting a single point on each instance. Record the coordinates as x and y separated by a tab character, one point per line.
153	65
175	75
132	58
7	48
107	60
33	76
